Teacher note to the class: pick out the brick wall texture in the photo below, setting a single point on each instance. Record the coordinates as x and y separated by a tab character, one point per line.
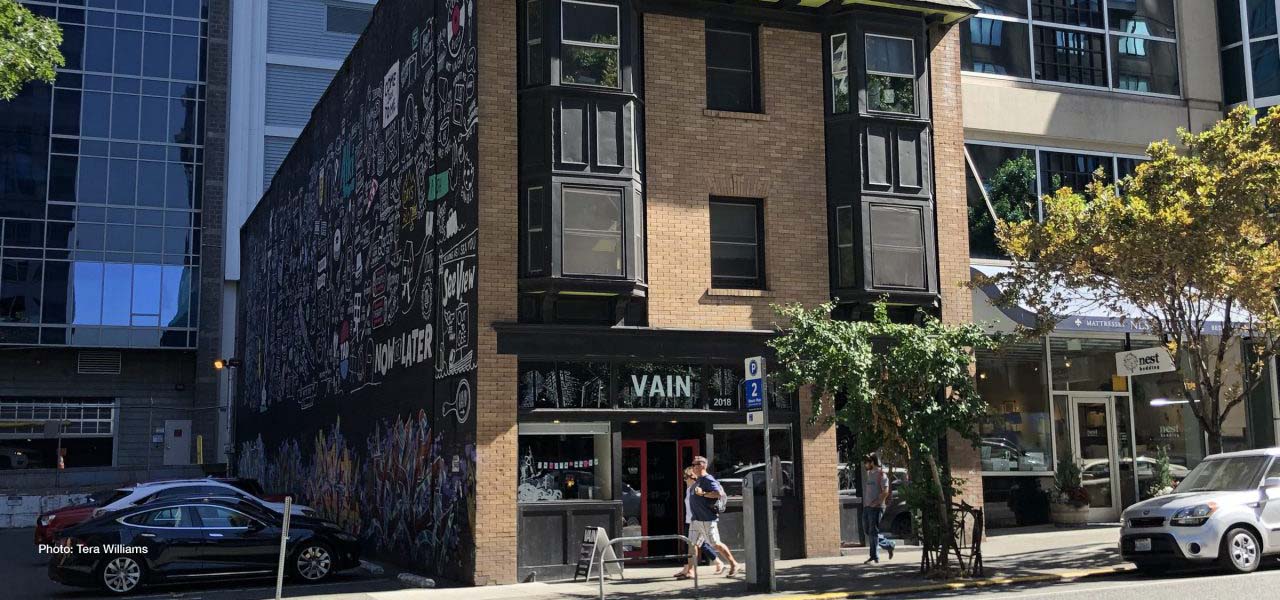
693	155
952	220
821	491
495	516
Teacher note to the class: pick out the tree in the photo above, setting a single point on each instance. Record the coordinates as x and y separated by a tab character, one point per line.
28	48
1010	195
902	387
1190	240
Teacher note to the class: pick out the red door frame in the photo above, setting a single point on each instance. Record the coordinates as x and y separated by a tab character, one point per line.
693	445
643	446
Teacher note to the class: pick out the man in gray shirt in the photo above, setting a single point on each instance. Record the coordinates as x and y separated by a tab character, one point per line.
875	497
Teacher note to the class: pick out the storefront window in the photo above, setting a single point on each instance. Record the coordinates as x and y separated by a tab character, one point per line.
564	385
1012	382
738	452
656	385
1086	364
564	462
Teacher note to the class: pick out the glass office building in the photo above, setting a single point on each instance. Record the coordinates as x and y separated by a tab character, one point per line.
1250	51
100	195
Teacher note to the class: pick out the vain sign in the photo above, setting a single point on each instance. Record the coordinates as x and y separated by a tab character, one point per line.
659	386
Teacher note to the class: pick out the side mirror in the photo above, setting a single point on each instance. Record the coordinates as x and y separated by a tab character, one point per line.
1271	482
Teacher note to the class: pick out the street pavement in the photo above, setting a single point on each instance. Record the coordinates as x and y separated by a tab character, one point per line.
1187	585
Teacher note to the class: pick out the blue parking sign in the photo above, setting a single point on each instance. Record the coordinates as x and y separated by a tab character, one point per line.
753	383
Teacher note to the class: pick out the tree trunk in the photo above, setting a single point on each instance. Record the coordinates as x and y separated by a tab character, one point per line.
1215	440
944	514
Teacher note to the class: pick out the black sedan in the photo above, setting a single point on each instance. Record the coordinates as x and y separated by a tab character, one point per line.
196	539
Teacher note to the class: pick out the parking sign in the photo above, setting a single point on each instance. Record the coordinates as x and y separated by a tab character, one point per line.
753	383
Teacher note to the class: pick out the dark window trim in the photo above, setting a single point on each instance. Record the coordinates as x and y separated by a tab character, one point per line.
736	28
760	281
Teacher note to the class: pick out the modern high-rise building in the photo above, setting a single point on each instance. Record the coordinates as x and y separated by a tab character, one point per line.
109	234
1053	91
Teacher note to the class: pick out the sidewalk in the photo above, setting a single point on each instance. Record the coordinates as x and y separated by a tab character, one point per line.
1022	555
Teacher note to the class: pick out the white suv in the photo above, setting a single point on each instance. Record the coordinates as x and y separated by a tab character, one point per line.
1227	509
143	493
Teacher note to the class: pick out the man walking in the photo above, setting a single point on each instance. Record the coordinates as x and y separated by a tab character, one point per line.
875	497
705	507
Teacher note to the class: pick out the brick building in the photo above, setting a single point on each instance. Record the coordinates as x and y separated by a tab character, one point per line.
649	178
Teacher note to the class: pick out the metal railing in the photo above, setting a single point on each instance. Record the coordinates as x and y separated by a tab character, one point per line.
646	538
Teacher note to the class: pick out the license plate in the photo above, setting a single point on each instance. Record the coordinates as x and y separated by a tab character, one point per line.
1142	545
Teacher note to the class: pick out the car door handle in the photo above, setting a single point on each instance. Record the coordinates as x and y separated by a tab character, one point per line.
147	535
218	535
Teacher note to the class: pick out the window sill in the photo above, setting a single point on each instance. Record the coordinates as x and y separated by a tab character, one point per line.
740	293
728	114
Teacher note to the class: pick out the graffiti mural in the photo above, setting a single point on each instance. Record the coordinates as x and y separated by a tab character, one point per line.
358	297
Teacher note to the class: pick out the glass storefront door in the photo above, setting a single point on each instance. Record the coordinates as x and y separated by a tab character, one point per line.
1087	429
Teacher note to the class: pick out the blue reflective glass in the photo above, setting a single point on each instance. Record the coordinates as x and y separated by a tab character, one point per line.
58	234
128	59
54	308
123	183
98	49
160	7
156	55
95	114
158	24
151	217
182	121
178	187
72	45
177	241
188	8
153	119
186	57
92	184
124	117
120	238
66	112
117	292
131	5
150	183
89	236
127	21
146	296
86	293
62	178
148	239
1266	68
172	297
21	282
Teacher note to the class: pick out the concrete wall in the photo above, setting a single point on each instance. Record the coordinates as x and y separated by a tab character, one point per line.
1002	110
152	386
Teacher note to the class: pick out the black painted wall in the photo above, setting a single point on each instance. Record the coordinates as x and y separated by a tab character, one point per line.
358	300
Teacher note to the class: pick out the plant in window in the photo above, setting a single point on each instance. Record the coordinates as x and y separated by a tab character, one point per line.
905	387
1162	478
591	65
891	94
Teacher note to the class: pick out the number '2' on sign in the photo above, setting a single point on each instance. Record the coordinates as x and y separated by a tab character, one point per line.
753	383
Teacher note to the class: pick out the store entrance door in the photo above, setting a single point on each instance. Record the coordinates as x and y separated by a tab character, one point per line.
653	491
1094	444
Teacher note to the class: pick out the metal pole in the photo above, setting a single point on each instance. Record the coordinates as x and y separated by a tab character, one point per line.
770	583
284	537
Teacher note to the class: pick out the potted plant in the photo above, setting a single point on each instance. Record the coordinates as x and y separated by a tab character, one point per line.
1162	477
1070	506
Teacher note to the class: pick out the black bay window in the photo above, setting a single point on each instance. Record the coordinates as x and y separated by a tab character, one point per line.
733	71
839	73
581	138
1124	45
737	243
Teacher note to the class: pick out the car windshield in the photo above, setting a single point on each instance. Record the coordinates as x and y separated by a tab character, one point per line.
1235	474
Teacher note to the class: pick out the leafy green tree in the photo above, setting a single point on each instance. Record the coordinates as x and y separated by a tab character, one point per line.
1011	196
28	48
901	386
1190	240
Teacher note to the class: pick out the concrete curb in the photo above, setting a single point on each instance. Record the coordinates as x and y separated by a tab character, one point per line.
961	585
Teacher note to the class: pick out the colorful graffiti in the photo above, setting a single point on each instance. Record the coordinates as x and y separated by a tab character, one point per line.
358	297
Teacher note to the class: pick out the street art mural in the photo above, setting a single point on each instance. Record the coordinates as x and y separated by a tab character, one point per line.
358	297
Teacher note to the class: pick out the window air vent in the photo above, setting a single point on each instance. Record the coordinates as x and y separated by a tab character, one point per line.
98	362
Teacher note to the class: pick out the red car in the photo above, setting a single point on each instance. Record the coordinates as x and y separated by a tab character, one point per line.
50	523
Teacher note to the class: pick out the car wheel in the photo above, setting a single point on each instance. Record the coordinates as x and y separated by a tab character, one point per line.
1240	552
314	562
120	575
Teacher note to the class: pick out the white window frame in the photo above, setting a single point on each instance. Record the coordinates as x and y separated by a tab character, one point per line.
1107	34
1247	42
914	76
